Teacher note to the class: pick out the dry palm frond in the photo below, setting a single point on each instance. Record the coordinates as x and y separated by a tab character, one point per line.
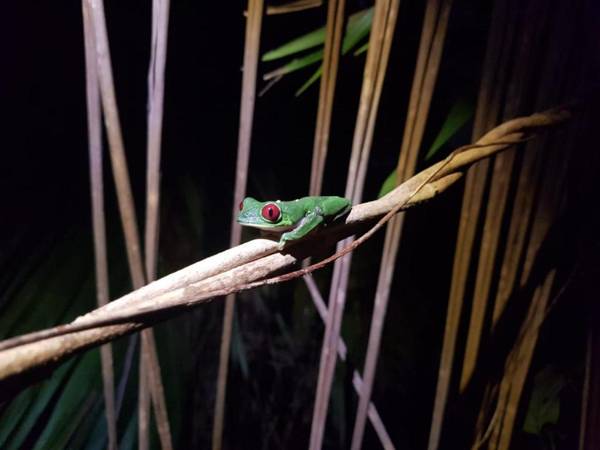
502	174
495	70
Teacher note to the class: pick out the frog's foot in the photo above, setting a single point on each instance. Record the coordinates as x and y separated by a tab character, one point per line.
281	245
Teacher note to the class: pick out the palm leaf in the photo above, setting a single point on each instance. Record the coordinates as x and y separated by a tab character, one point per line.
358	27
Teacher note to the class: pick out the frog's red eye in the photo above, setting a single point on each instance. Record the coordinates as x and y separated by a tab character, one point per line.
241	205
271	212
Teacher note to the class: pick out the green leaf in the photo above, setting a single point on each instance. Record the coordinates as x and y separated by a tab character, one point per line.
544	406
314	77
310	40
460	113
358	27
46	392
363	48
238	349
128	440
15	411
75	400
296	64
388	184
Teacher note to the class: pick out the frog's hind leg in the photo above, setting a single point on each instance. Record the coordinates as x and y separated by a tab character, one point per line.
306	225
336	207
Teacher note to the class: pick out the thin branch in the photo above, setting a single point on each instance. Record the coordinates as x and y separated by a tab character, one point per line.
251	56
224	272
97	190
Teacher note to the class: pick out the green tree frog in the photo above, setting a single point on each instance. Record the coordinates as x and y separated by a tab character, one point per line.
295	219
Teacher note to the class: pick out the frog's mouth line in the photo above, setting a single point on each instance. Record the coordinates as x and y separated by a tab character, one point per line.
276	228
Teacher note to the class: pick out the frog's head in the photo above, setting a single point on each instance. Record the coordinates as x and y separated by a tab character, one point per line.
264	215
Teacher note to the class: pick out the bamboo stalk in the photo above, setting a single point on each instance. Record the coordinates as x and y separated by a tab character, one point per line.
97	193
251	56
428	60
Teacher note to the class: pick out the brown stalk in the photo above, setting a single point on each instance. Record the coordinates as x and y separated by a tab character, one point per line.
335	22
331	56
121	177
97	190
522	361
513	380
234	269
377	56
251	55
507	404
495	70
428	60
293	6
532	162
156	81
501	179
489	103
589	431
357	381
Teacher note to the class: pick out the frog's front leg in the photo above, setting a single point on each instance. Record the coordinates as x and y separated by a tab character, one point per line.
305	226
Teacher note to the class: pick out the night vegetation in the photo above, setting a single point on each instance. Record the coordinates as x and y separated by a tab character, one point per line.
464	128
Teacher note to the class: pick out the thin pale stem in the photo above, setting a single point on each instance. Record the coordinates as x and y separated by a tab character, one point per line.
156	87
98	223
120	173
428	61
251	57
384	17
331	56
